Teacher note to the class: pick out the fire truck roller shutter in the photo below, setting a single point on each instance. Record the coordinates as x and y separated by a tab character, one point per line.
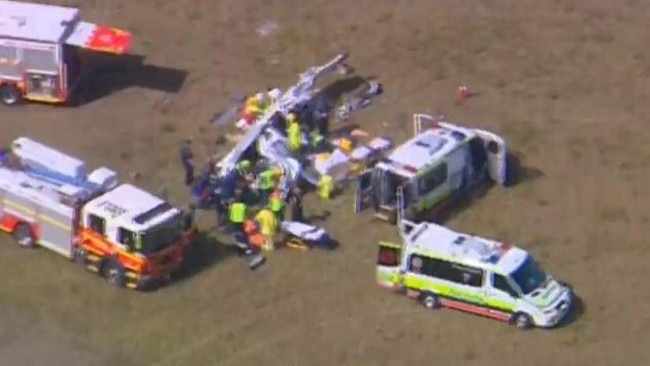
52	226
57	229
9	65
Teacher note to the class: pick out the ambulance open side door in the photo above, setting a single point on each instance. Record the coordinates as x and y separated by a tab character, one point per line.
364	191
497	156
422	122
404	225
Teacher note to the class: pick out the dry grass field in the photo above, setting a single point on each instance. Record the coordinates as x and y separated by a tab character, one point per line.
565	82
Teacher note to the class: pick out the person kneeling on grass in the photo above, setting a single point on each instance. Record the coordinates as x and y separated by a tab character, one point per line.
249	242
254	238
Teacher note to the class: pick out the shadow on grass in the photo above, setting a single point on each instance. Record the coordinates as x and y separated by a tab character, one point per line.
334	244
204	253
107	74
455	205
517	174
313	219
578	310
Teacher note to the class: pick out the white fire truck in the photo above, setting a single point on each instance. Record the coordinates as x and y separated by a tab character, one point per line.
127	235
39	47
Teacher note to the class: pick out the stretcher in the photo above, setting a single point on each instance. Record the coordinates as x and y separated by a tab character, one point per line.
350	156
303	236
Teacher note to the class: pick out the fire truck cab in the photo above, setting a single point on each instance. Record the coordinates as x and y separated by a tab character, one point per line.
39	47
131	236
121	232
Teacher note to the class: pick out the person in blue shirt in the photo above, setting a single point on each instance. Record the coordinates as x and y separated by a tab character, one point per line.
295	203
228	185
201	192
186	155
4	157
320	115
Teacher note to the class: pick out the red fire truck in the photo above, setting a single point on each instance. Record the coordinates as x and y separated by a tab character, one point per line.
123	233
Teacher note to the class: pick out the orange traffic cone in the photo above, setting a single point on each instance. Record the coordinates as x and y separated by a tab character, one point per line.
463	93
134	177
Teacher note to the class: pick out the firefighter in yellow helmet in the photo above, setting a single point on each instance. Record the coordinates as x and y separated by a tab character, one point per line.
263	102
267	181
276	205
244	168
251	110
294	133
316	141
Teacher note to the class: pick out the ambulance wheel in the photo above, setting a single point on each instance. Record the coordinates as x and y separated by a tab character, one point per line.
114	273
430	301
24	236
522	321
10	95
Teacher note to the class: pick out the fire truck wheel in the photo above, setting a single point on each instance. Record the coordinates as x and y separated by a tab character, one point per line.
10	95
24	236
79	256
114	273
